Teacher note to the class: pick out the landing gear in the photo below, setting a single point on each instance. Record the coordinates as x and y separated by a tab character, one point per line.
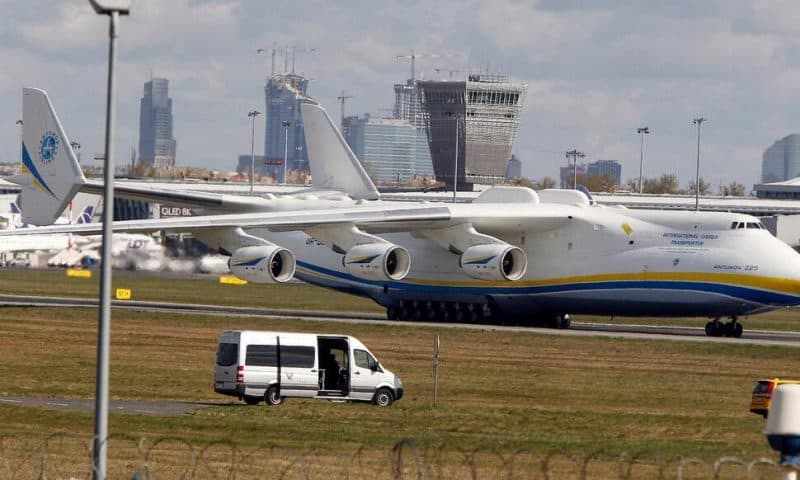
715	328
422	311
560	321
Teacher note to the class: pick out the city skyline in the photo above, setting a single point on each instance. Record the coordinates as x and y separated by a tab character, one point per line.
736	63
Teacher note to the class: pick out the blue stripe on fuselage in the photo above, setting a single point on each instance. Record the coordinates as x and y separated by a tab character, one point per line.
763	297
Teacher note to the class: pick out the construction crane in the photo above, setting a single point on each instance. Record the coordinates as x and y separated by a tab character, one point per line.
303	50
450	72
342	98
274	50
414	56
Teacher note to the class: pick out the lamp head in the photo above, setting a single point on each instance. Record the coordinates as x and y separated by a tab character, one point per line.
105	7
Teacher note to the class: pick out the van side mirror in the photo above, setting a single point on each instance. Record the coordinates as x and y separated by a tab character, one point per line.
373	365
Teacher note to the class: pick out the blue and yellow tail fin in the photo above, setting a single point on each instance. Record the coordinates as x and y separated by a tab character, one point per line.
50	174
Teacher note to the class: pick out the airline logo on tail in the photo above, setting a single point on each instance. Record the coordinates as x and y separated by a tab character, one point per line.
86	215
48	147
29	167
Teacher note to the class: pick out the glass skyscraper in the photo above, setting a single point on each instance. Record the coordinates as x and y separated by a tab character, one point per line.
781	161
391	150
284	93
156	141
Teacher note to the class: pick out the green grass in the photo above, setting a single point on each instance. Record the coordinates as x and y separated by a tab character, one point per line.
506	390
498	390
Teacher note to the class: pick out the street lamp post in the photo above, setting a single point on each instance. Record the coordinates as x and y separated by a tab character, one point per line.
253	114
641	131
574	153
455	163
697	121
112	8
286	124
21	139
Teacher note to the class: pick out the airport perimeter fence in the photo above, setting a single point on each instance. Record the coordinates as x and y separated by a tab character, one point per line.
67	456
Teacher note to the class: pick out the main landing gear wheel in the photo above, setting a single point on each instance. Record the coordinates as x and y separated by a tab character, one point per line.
560	321
715	328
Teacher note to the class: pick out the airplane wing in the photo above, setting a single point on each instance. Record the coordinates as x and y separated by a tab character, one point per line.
373	219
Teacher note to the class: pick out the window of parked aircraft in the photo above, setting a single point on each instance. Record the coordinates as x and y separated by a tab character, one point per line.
227	354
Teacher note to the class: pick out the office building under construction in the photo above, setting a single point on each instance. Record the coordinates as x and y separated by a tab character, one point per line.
477	118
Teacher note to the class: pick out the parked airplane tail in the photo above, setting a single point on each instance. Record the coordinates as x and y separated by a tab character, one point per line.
333	165
51	175
86	215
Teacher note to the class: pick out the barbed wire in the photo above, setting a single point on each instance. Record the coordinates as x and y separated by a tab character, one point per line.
68	456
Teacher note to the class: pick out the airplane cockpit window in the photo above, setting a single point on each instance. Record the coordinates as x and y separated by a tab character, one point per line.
748	225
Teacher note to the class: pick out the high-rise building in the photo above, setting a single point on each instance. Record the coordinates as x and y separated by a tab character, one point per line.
156	142
284	93
605	168
391	150
406	103
781	161
514	168
478	118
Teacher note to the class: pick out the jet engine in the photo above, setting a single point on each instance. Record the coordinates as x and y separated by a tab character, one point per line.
263	264
378	261
494	261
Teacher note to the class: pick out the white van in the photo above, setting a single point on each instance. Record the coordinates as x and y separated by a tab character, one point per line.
272	366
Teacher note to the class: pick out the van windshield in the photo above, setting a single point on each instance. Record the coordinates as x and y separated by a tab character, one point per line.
227	354
763	387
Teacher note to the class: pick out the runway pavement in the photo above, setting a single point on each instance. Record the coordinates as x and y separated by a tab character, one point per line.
631	331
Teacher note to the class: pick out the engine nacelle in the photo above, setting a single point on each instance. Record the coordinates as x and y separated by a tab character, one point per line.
263	264
494	261
378	261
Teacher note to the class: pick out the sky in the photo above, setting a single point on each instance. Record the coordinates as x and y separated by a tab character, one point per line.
596	70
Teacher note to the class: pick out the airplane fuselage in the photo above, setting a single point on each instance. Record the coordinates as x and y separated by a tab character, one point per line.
606	261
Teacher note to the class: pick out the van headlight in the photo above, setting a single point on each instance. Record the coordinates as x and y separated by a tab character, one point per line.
397	382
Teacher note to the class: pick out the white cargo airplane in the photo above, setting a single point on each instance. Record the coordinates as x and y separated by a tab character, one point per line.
511	254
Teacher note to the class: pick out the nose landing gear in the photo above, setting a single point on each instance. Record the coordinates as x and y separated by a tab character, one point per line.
715	328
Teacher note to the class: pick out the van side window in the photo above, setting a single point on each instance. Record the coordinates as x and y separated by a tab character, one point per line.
227	354
363	359
261	356
300	357
291	356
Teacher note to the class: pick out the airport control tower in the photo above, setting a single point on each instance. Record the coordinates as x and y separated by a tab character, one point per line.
486	110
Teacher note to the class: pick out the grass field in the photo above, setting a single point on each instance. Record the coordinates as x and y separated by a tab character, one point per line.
499	390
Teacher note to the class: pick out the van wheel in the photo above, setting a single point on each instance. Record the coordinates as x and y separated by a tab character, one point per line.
383	397
251	400
272	397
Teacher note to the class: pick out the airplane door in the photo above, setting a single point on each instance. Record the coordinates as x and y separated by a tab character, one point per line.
366	374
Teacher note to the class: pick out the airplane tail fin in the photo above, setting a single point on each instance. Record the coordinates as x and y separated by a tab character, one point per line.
86	215
51	175
333	165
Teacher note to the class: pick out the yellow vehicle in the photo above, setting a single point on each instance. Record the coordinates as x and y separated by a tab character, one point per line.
762	394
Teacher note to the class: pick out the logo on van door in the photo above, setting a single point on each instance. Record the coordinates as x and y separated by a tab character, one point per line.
289	375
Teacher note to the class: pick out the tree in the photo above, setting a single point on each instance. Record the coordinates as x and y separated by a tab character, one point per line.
601	183
705	187
733	189
546	182
667	183
523	182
